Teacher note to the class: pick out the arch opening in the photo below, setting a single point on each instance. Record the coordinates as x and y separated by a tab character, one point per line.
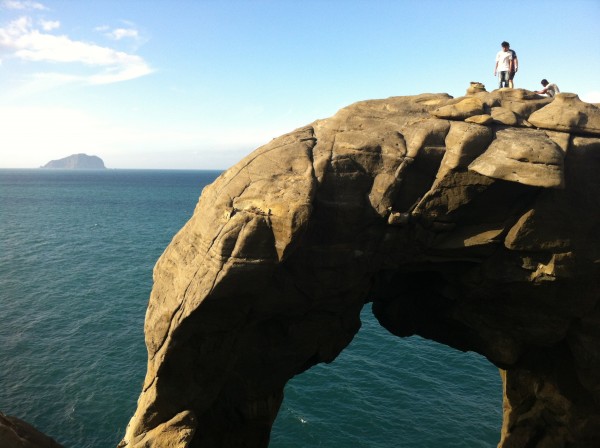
384	389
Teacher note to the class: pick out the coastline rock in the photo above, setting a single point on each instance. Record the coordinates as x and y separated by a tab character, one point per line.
77	162
505	116
479	119
481	237
466	108
568	113
15	433
528	157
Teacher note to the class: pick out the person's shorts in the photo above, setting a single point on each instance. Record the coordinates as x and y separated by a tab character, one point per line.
511	75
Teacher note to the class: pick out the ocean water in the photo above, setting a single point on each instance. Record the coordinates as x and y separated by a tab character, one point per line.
77	250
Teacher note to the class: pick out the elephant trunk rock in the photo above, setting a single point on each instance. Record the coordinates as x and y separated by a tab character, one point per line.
472	221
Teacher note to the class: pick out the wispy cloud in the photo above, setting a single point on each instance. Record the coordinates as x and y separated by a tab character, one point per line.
129	31
25	40
121	33
22	5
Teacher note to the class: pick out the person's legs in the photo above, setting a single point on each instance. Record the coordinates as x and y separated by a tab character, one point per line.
503	79
511	83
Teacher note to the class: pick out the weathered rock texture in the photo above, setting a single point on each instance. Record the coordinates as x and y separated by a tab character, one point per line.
472	221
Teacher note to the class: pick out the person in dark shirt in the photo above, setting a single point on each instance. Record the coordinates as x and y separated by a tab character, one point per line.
514	66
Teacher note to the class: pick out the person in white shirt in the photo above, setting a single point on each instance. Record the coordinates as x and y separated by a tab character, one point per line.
503	64
549	89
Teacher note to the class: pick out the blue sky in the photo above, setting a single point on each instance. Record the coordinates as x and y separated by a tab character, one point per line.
199	84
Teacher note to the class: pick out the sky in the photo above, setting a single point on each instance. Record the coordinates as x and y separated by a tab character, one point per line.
184	84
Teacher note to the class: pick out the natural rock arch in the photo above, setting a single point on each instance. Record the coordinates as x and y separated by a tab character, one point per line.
471	221
385	391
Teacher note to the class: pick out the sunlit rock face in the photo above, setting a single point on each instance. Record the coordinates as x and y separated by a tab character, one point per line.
471	221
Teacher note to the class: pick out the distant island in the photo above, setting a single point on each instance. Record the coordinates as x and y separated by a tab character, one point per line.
77	162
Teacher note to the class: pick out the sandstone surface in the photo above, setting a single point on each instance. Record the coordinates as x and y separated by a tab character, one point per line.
470	221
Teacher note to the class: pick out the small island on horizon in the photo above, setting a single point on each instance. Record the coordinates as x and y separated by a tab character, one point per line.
77	162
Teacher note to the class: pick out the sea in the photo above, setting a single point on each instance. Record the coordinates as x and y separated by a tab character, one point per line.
77	249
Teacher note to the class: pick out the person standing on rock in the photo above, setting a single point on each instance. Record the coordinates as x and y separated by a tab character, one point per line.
514	66
503	64
549	89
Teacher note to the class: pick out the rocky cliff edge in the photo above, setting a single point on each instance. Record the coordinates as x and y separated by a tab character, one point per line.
471	221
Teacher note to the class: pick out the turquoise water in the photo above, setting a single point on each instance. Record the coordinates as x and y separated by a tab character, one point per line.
77	250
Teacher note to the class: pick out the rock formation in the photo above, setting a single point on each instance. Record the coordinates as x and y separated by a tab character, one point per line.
77	162
15	433
471	221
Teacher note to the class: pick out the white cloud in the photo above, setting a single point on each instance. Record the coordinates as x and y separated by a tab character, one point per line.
23	41
121	33
49	25
22	5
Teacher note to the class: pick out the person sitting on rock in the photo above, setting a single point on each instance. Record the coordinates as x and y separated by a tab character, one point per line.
549	89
